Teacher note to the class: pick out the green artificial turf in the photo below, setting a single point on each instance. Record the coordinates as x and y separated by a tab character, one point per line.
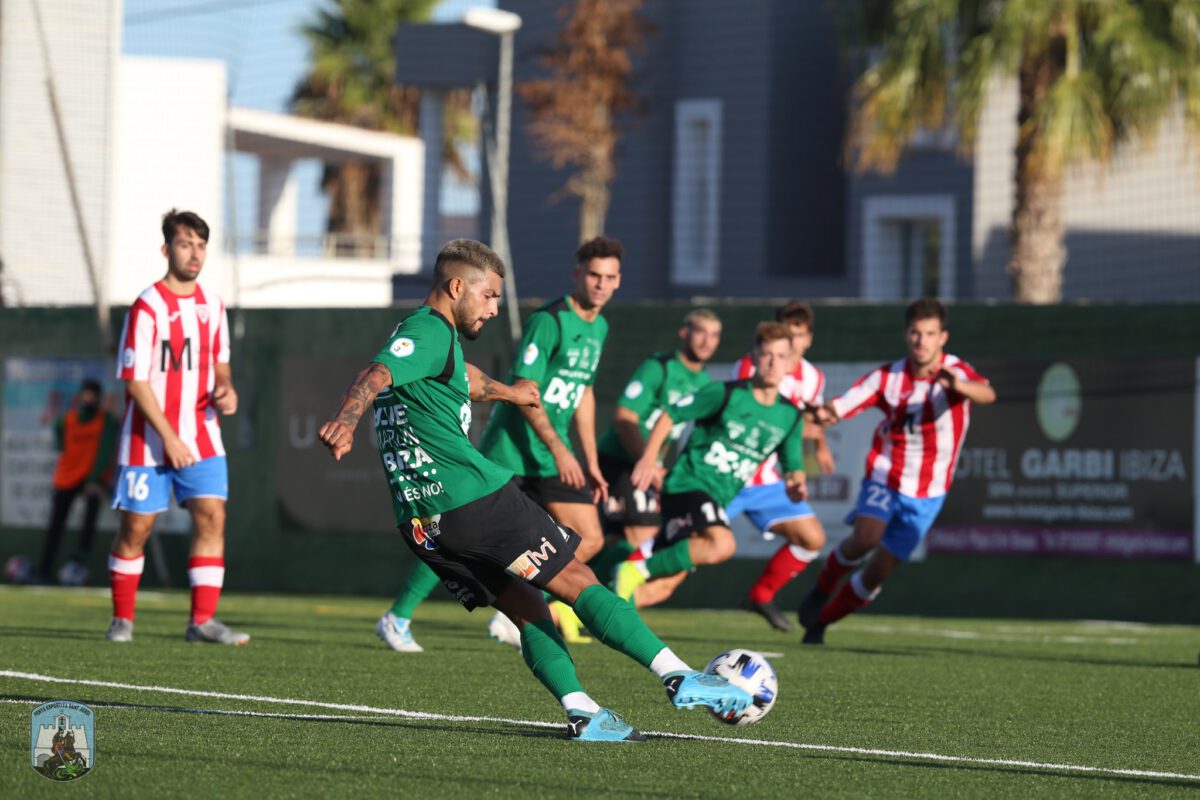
890	707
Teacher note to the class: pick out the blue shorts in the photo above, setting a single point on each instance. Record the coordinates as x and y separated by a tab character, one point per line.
907	518
767	505
146	490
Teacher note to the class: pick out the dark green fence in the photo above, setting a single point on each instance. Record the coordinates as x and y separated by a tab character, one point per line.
268	551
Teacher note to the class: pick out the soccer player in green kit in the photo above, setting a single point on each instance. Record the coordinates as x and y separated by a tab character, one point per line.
462	515
631	515
559	353
738	424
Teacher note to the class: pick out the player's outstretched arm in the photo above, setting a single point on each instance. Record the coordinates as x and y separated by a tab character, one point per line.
646	468
338	433
485	389
979	392
224	395
177	453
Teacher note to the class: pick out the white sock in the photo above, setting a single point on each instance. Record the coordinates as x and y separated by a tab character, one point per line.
579	701
667	662
803	554
859	589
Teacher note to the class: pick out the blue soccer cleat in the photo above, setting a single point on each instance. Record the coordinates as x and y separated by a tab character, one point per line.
601	726
688	689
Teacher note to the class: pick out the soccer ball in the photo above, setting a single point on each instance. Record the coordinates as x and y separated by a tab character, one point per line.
73	573
747	670
18	569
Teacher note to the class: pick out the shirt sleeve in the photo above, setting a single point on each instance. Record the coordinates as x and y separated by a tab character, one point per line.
965	371
864	394
417	349
137	344
221	339
641	393
791	449
703	402
540	340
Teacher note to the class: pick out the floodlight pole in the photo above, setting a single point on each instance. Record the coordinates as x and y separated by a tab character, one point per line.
503	24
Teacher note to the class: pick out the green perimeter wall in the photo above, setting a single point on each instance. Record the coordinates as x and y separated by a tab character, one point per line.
266	554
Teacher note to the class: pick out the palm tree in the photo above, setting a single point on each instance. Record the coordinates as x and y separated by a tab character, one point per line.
1091	75
352	81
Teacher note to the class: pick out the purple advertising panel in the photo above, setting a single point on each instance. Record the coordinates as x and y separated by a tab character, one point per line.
1078	458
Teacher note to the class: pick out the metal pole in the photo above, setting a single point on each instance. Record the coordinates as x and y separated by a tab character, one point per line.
499	172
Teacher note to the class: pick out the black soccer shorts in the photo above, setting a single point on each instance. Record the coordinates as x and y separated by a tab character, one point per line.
478	548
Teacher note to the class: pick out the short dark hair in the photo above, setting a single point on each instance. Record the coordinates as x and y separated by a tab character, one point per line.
188	219
797	312
925	308
91	385
599	247
770	332
466	252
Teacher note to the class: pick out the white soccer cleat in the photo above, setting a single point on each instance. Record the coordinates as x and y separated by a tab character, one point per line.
397	633
213	631
120	630
502	629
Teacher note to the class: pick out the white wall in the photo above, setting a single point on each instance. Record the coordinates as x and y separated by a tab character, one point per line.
170	119
1149	191
39	240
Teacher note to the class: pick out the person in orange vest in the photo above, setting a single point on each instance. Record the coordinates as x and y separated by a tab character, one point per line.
85	437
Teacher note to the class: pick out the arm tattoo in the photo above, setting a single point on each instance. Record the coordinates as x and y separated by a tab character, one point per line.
367	384
488	389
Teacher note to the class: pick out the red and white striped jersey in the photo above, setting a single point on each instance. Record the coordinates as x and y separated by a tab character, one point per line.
804	386
172	342
916	446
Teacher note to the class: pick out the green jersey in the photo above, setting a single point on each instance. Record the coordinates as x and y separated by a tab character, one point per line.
560	350
658	382
733	434
421	422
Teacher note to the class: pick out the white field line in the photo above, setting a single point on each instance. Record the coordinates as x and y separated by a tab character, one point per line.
422	715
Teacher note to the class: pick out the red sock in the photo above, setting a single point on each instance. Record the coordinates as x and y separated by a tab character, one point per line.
832	571
847	600
782	567
124	574
206	574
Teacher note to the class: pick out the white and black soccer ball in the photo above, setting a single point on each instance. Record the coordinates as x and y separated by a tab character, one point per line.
18	569
747	670
73	573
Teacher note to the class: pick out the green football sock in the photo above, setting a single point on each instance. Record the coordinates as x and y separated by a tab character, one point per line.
616	623
420	584
670	560
546	654
604	562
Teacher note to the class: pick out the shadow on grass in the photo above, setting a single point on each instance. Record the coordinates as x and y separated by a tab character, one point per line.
497	729
1013	769
923	651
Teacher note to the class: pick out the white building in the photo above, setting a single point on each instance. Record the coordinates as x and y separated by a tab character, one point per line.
143	135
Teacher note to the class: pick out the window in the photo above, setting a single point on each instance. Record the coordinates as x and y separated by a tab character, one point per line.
696	192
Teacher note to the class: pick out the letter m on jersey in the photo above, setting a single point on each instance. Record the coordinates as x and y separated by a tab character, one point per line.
168	355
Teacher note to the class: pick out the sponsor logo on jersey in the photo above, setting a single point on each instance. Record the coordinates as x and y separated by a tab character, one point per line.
402	347
62	736
634	390
531	354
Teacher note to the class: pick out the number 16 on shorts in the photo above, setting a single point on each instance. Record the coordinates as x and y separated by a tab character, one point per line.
147	490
